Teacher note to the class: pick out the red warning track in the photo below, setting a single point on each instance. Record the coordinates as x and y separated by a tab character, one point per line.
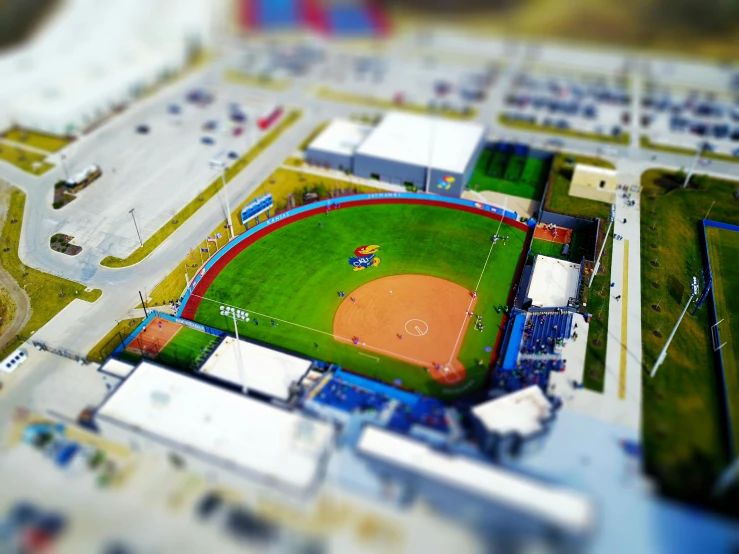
201	288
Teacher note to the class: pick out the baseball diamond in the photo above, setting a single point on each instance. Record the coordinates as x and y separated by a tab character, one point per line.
321	291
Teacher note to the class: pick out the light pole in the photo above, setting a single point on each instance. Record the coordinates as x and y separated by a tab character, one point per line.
701	147
222	165
663	354
238	353
603	246
135	225
64	165
709	209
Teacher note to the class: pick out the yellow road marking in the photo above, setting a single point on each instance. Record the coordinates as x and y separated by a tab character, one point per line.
624	324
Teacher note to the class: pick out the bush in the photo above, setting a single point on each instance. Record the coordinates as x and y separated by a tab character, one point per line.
58	204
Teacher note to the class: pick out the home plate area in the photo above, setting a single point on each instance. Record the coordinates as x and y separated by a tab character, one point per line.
416	318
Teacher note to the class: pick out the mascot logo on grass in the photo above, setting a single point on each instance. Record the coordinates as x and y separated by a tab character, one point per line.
365	256
445	183
229	311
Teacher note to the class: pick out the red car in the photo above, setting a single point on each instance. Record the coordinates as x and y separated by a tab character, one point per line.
238	131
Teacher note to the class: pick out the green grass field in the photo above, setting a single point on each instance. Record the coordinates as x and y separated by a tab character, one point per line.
186	348
723	248
295	272
681	431
521	176
36	139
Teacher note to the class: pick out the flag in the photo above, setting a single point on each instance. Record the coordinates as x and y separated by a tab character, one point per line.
219	236
204	250
211	239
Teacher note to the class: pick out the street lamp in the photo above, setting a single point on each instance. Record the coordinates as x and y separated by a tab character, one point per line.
701	147
222	165
135	225
64	165
663	354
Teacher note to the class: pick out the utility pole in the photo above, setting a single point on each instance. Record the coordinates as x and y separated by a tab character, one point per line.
135	225
146	312
222	165
603	246
663	354
238	353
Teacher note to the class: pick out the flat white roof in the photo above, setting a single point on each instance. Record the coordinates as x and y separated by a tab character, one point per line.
272	443
521	412
341	137
553	282
265	370
116	367
594	170
444	144
553	504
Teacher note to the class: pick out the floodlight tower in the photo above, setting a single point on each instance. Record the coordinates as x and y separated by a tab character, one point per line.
701	147
220	164
603	246
663	354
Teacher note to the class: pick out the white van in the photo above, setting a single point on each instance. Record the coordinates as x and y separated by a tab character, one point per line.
11	363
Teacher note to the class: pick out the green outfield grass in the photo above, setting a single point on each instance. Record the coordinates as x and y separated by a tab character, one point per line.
723	248
186	348
294	273
681	430
523	177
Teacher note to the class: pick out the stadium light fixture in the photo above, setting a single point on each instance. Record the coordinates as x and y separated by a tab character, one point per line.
223	166
603	246
663	354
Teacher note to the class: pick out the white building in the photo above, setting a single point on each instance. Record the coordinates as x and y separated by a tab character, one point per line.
553	282
263	370
93	56
431	153
216	430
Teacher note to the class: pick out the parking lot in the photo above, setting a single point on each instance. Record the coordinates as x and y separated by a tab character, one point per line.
155	159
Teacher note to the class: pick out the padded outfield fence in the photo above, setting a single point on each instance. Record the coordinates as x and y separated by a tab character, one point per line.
727	423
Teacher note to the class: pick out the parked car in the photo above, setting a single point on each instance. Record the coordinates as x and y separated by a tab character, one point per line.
209	505
174	109
238	131
142	129
207	140
233	155
210	125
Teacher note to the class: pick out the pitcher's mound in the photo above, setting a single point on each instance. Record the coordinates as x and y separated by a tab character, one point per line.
415	318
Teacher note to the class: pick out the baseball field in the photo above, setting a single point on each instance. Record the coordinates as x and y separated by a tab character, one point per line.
382	289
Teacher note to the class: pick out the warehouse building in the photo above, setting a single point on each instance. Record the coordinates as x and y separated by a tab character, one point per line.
334	148
436	155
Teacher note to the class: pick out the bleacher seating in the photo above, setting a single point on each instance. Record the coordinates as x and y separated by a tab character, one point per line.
528	372
350	397
544	330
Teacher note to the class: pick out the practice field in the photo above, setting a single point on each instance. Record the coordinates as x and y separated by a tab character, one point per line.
419	336
510	171
170	344
723	249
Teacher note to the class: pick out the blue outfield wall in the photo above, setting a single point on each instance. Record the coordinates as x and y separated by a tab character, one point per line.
153	314
513	344
345	201
725	407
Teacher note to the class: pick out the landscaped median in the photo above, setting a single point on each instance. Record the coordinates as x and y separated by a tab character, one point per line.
35	139
259	81
28	161
184	214
622	139
680	405
48	294
646	142
381	104
113	339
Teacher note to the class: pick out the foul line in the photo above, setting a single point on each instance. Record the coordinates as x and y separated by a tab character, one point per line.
469	306
369	356
364	345
624	324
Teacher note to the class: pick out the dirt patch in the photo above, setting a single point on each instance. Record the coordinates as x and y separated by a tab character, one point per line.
63	244
415	318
